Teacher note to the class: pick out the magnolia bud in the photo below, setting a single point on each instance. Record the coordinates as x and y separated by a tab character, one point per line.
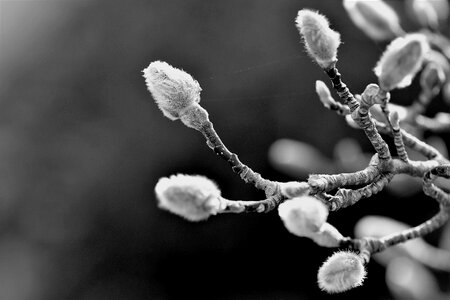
324	94
327	236
303	216
375	18
293	189
298	158
425	13
401	61
321	42
340	272
441	7
395	120
409	279
194	198
173	89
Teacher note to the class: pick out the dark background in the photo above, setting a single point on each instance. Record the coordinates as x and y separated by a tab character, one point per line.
82	145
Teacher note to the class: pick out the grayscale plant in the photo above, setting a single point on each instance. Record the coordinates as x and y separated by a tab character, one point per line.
303	206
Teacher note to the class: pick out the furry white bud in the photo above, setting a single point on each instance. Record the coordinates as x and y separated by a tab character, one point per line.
293	189
303	216
192	197
321	42
401	61
327	236
375	18
173	89
340	272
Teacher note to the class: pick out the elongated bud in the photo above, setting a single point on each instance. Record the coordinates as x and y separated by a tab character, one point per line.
401	61
425	13
298	158
395	120
327	236
173	89
194	198
324	94
321	42
303	216
292	189
351	122
340	272
375	18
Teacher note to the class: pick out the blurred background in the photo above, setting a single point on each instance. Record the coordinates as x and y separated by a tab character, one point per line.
82	145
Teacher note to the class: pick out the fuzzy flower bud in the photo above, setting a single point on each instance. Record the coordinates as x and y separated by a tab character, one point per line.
327	236
194	198
401	61
321	42
375	18
293	189
303	216
340	272
173	89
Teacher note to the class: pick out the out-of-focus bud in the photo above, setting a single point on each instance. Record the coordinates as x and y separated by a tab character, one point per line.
324	94
408	279
342	271
417	249
425	13
321	42
432	78
192	197
378	114
350	156
439	59
441	7
428	11
351	122
303	216
401	61
299	159
394	119
173	89
375	18
443	118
